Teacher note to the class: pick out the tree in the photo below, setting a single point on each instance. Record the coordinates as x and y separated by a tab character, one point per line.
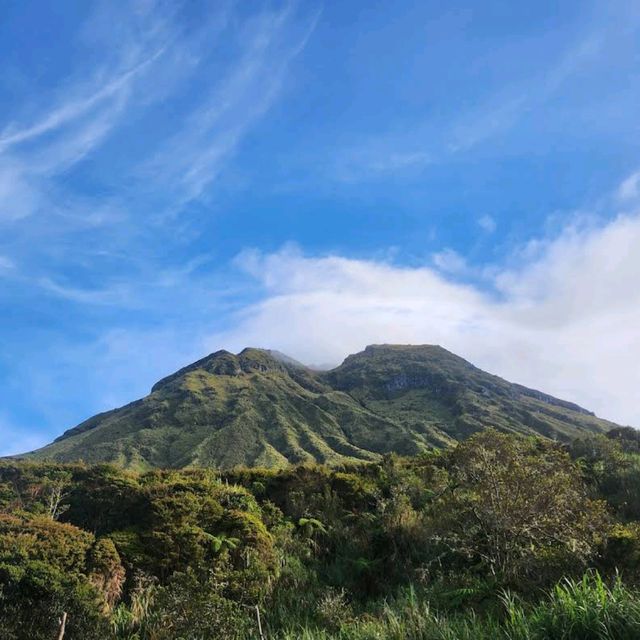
517	507
627	437
611	469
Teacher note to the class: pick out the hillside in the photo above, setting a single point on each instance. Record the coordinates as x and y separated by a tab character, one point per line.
263	408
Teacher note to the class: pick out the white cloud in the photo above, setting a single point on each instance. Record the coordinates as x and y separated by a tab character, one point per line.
20	193
449	261
630	188
566	323
487	223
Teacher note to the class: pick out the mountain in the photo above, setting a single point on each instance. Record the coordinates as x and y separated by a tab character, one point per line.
263	408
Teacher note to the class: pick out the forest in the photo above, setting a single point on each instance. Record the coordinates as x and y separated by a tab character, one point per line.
501	537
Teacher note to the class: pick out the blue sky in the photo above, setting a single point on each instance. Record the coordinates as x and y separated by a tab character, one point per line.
181	177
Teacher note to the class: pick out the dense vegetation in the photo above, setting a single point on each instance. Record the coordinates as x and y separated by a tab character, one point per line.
503	536
260	408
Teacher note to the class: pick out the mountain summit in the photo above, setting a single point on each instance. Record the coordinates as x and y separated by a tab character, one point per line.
260	407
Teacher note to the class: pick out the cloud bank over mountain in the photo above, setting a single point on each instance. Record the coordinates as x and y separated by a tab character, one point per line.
565	319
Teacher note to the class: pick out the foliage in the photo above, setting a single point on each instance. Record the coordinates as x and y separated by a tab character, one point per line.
188	608
612	469
490	539
105	571
518	508
587	609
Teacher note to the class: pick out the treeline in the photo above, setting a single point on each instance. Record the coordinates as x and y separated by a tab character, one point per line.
501	537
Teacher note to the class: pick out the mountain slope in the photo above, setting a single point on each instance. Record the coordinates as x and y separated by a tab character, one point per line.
263	408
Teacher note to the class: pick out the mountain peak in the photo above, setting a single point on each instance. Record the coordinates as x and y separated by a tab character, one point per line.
387	346
261	407
252	359
225	363
412	351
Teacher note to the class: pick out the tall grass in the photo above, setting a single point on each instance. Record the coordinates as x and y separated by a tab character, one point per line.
587	609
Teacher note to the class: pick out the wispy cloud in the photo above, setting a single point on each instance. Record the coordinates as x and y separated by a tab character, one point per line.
421	143
6	264
449	261
505	108
487	223
378	158
119	294
70	111
155	62
32	155
193	158
629	189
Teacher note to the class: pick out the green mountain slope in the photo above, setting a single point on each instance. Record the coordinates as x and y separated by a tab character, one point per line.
262	408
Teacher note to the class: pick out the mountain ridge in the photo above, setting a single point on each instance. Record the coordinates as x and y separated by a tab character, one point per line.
262	408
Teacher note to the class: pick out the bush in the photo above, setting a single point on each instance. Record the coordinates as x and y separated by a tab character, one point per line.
191	609
33	597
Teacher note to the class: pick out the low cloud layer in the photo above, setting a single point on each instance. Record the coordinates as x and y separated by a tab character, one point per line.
565	321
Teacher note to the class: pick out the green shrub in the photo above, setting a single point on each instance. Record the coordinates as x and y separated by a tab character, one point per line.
192	609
